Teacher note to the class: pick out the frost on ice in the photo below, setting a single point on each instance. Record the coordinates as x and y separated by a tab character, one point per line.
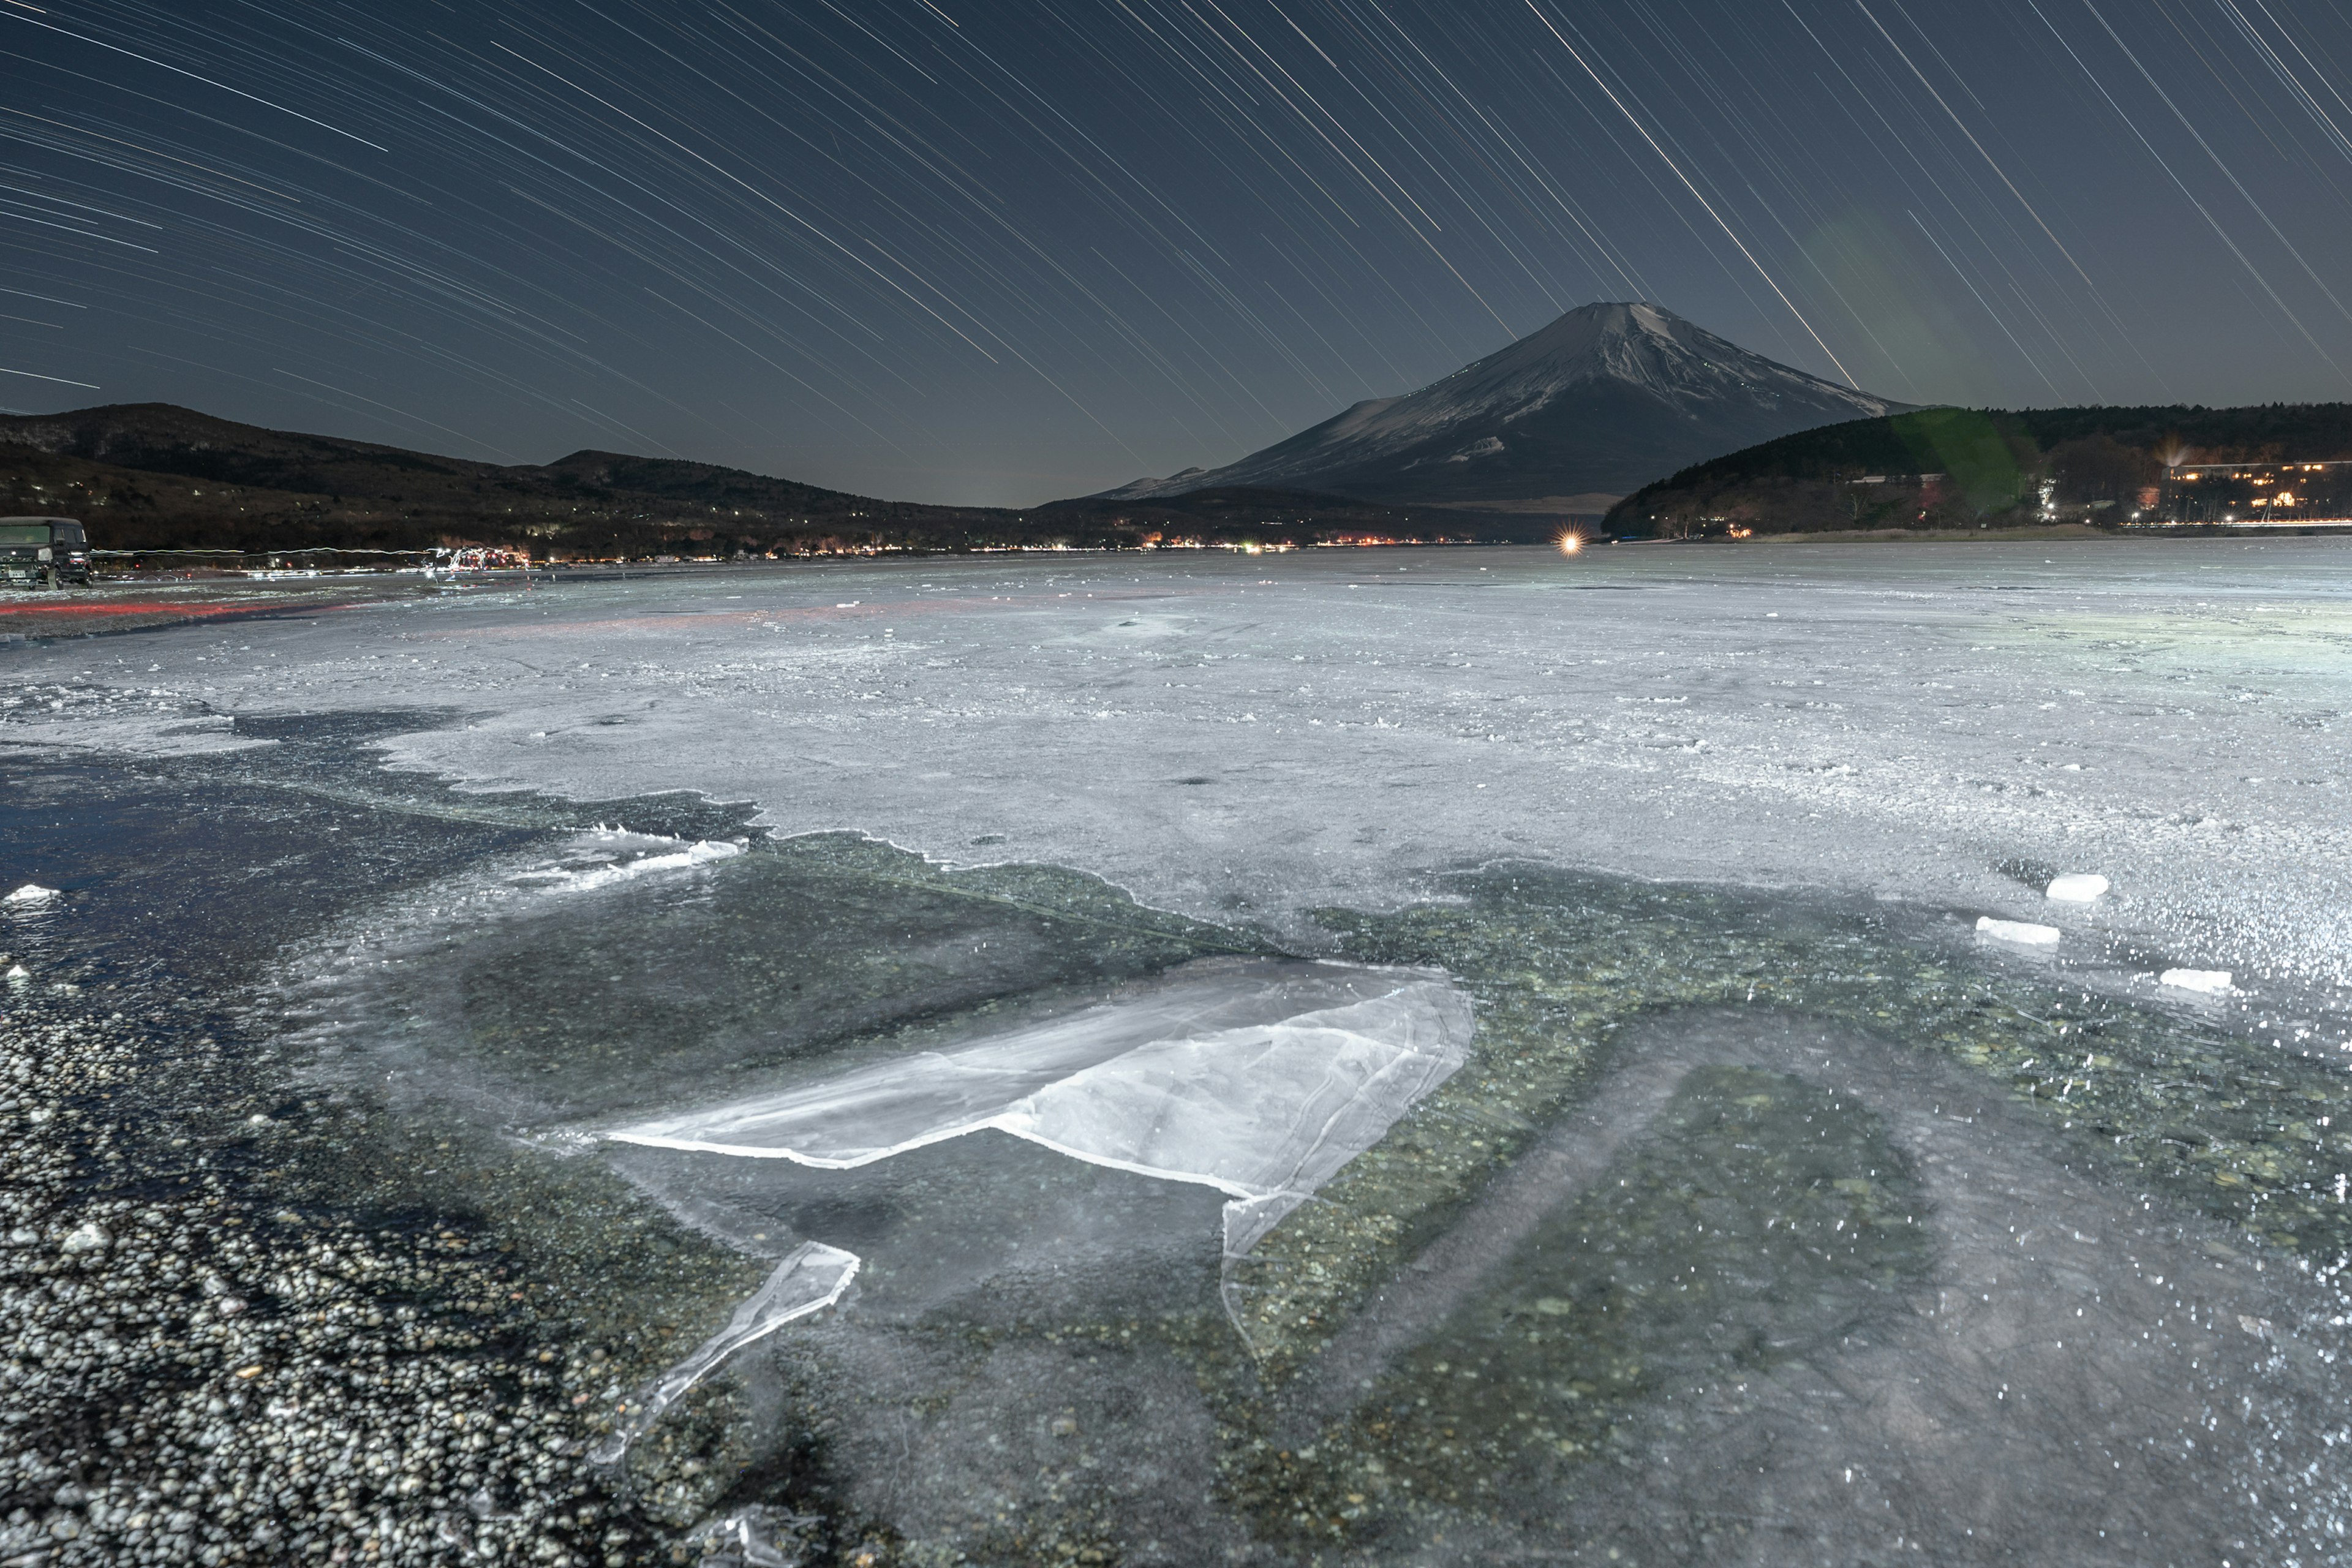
810	1281
2023	932
2077	888
1259	1079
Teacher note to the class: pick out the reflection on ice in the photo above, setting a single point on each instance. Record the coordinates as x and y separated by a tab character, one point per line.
1261	1080
810	1281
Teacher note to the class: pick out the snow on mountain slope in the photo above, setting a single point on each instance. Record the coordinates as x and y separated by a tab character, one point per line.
1605	399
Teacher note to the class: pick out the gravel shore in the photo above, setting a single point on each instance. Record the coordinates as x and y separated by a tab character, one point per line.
191	1375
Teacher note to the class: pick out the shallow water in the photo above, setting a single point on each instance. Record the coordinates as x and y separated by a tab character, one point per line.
1753	1227
666	989
1735	1197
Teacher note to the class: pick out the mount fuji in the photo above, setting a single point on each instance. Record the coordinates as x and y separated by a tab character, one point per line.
1605	400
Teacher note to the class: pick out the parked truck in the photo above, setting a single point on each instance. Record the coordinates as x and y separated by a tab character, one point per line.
43	552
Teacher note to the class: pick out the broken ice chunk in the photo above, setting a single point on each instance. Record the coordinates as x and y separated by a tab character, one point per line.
1261	1080
2212	981
29	894
2077	888
810	1281
753	1537
601	870
2024	931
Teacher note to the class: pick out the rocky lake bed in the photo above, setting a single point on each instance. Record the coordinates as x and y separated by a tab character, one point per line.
1764	1217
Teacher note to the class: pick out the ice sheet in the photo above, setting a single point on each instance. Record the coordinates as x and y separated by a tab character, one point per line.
1277	736
809	1281
81	725
1259	1080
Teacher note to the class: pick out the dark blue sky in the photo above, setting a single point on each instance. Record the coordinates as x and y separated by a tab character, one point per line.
1007	251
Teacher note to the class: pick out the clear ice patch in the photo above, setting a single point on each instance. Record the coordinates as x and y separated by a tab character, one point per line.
813	1278
1261	1080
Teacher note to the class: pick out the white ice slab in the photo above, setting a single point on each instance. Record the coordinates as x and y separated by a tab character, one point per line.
684	856
2078	887
810	1281
2212	981
2023	932
1261	1080
31	893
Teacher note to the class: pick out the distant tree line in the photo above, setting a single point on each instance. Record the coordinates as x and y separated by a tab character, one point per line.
1938	469
155	477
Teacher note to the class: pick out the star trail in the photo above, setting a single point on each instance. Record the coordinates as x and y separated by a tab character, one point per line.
1010	251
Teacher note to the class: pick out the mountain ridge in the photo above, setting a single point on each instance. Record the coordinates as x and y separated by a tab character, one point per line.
1607	397
166	438
157	477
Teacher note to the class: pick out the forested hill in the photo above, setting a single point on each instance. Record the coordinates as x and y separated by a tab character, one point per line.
159	477
156	476
1993	463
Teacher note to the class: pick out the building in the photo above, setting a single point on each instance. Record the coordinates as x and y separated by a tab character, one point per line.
2274	495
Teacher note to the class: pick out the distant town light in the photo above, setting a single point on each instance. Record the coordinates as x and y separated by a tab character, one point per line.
2298	494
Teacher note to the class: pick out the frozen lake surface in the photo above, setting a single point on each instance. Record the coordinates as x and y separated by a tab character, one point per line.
1815	1184
1262	735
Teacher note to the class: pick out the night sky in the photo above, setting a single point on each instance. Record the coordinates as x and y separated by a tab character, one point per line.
1010	250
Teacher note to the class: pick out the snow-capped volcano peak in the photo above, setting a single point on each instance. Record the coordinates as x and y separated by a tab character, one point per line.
1604	399
1637	343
